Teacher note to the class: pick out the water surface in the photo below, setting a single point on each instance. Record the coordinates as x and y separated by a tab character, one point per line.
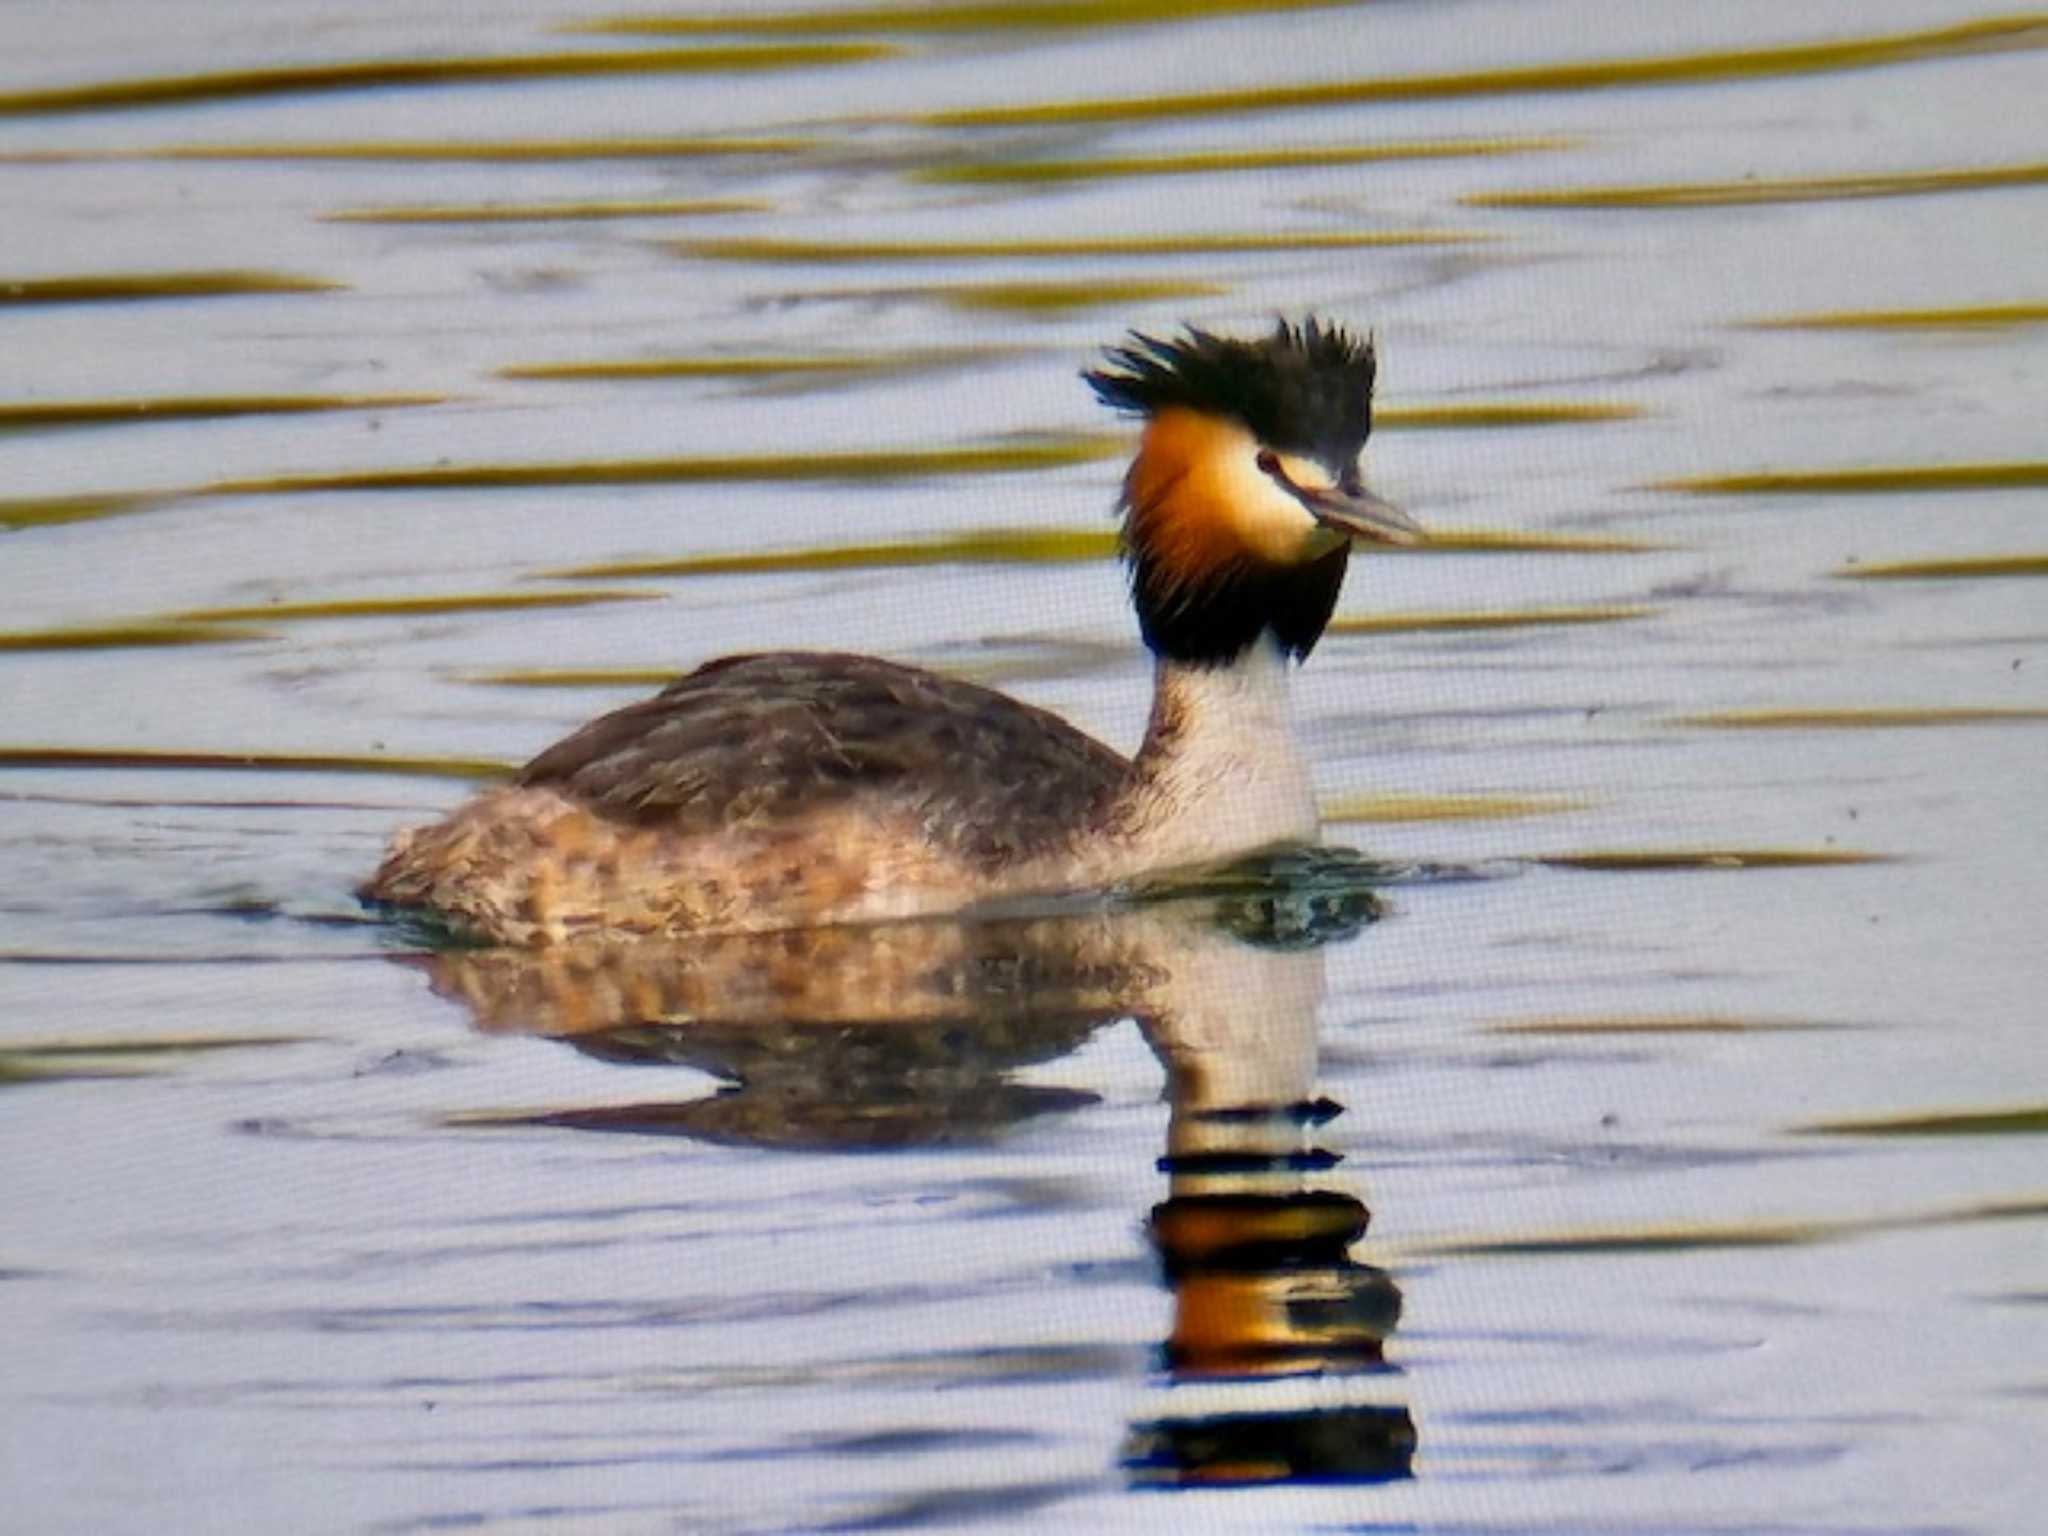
387	389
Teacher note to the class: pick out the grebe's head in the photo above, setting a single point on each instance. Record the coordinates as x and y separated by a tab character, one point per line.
1245	497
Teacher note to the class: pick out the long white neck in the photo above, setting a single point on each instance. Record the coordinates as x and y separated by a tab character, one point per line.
1220	772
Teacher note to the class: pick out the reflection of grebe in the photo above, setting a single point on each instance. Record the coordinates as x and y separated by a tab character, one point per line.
908	1033
784	789
894	1033
1255	1241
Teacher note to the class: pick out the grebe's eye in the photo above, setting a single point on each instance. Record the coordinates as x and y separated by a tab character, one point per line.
1269	462
1352	483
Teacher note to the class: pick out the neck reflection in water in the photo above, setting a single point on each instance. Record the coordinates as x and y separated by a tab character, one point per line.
907	1035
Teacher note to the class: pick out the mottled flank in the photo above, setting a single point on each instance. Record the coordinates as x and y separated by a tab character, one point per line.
761	792
533	866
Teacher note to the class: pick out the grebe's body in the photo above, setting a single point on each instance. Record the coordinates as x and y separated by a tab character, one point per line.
787	789
790	789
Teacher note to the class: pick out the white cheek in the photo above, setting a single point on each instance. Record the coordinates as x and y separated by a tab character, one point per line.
1272	524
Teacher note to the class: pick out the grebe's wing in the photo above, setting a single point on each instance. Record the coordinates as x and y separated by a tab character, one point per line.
748	740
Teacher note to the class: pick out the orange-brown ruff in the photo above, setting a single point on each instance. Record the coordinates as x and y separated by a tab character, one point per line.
795	788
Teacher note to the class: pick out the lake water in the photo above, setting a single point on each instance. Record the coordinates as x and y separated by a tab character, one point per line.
385	388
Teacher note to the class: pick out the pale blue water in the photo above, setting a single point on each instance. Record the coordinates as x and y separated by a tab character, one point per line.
291	1286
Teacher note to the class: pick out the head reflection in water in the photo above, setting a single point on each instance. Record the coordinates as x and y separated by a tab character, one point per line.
1255	1238
907	1034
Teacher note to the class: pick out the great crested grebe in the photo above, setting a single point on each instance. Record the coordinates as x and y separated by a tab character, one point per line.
792	788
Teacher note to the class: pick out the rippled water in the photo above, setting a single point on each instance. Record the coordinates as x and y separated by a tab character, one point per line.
385	388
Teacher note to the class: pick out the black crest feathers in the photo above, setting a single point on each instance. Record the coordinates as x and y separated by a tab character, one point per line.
1306	388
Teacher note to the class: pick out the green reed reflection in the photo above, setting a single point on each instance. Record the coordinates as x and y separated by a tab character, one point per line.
2000	33
389	74
973	16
